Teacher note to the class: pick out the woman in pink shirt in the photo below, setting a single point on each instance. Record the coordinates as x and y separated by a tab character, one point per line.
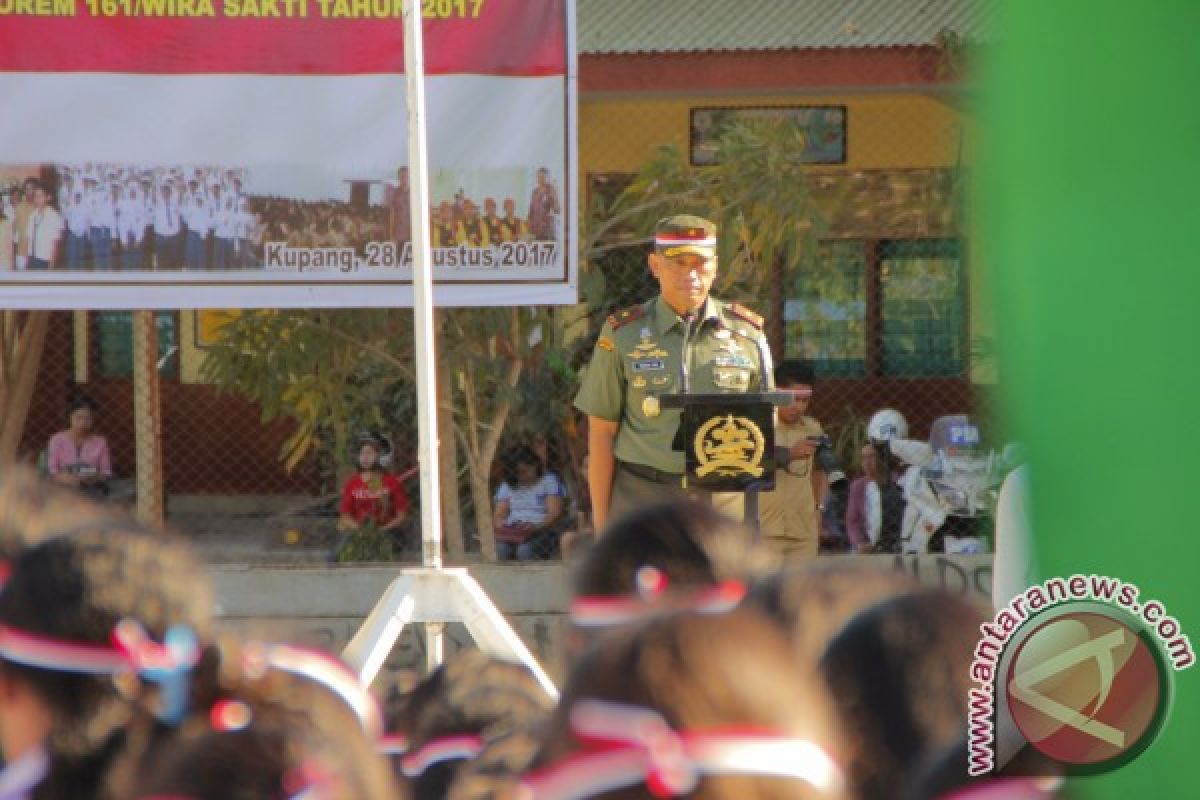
77	456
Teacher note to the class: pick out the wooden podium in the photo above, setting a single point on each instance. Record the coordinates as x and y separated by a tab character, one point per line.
729	442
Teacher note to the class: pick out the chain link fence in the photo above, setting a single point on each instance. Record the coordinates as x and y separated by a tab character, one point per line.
861	262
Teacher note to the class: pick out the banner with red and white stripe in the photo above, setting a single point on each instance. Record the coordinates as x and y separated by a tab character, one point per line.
242	153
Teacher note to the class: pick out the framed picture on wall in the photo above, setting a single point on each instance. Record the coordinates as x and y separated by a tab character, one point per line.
823	127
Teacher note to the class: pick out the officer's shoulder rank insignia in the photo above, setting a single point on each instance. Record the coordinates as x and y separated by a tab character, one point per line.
746	315
625	316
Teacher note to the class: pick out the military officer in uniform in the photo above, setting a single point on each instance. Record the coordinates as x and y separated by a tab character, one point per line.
642	353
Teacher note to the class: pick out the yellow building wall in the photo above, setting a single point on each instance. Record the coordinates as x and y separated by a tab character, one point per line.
883	130
191	358
196	328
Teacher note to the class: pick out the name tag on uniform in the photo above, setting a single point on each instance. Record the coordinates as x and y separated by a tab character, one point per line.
732	360
731	378
648	365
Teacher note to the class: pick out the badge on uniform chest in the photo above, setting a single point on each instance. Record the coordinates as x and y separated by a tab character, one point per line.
731	378
647	350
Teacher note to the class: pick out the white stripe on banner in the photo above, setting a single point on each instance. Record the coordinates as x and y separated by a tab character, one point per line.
248	120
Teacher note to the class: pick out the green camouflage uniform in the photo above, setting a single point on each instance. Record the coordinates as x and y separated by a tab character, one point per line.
636	360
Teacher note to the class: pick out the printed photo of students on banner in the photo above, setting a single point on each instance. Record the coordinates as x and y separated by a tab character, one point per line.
311	186
112	217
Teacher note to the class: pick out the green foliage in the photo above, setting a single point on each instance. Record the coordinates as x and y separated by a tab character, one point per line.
757	194
332	372
368	543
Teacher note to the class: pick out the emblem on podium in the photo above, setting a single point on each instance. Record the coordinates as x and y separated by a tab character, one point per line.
729	446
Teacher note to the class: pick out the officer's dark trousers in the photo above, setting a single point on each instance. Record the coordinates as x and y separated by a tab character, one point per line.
631	492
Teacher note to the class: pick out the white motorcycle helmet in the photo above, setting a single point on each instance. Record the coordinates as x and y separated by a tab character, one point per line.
887	424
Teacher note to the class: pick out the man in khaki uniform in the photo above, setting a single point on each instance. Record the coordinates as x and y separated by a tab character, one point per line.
638	358
790	516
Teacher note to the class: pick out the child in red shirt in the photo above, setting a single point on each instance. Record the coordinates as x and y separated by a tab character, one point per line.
373	494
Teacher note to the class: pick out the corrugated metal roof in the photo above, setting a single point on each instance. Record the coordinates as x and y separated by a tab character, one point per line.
663	26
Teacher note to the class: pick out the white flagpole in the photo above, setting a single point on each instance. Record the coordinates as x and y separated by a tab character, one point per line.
418	168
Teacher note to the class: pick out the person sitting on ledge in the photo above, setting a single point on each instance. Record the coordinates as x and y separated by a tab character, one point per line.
528	506
78	456
372	494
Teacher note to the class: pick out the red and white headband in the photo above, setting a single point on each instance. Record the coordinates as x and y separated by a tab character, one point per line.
309	782
321	667
58	655
392	744
167	664
597	611
439	751
1010	788
666	240
628	746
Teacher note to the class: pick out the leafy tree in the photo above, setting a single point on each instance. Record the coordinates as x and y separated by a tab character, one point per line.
337	371
488	350
333	372
757	193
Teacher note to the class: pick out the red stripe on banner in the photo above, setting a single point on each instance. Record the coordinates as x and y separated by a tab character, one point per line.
279	37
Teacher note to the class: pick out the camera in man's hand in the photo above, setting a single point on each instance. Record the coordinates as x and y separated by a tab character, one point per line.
826	459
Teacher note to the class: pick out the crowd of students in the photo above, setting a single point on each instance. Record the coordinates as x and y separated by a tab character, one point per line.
696	669
120	217
461	222
98	216
326	223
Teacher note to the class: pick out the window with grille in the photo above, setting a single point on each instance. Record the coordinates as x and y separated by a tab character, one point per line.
921	306
114	343
825	313
911	292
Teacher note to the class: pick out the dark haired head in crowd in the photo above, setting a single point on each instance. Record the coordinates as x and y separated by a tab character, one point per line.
813	602
689	543
74	589
699	674
793	372
269	721
899	673
475	708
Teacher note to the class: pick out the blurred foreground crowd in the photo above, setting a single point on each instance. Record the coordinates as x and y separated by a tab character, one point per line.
696	669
